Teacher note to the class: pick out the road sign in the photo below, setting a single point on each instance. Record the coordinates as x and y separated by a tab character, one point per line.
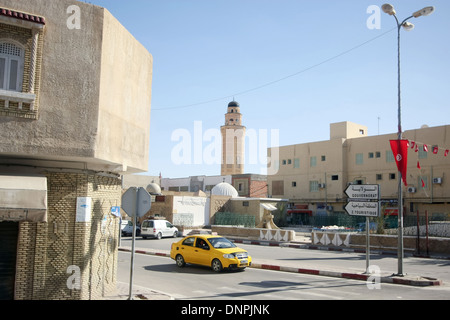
136	200
363	191
363	208
115	211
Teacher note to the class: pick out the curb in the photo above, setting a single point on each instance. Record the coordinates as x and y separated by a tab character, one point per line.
422	281
330	248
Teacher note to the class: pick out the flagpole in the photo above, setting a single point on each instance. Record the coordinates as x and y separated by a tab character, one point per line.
400	250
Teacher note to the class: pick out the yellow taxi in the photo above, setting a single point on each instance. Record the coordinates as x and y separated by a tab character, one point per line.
209	250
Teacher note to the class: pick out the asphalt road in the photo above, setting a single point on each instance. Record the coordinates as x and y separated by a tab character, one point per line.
200	283
349	261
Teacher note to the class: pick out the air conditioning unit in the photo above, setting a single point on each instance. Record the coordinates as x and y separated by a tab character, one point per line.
437	180
411	190
321	185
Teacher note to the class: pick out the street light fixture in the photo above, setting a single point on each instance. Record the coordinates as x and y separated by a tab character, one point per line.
389	9
424	12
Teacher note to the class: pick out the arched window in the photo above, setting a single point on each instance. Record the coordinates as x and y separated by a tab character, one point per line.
11	66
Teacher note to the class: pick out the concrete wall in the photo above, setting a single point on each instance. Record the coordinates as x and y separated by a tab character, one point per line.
380	242
197	207
254	233
94	94
124	98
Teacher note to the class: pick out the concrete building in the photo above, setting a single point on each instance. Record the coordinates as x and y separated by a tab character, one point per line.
197	209
74	117
314	176
193	183
247	185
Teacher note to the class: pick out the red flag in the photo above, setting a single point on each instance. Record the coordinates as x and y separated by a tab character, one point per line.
446	153
417	148
412	144
423	183
400	150
418	165
435	150
425	148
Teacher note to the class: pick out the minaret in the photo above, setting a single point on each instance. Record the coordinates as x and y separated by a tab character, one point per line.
233	141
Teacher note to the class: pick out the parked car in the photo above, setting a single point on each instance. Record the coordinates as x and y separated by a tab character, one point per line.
127	230
158	229
210	250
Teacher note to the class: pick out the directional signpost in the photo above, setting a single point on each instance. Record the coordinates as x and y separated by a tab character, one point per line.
136	202
363	208
363	192
364	201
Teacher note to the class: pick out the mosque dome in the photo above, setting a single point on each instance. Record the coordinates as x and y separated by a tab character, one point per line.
233	104
224	189
153	188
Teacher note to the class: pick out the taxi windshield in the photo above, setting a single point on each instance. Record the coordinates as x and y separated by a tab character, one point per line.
221	243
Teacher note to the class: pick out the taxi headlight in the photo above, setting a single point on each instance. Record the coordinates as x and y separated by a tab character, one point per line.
228	255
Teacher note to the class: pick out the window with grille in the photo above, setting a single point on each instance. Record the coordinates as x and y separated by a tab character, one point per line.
11	66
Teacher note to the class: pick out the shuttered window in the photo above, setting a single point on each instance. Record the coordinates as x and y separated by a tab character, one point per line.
11	66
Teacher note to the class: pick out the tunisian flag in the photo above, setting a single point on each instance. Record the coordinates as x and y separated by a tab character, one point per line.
400	151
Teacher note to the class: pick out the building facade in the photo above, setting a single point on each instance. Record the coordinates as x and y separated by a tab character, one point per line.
314	176
74	118
233	141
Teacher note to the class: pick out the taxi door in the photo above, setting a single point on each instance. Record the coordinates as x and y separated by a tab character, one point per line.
202	252
187	250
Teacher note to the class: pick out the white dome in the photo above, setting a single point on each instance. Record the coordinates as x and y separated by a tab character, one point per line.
224	189
153	188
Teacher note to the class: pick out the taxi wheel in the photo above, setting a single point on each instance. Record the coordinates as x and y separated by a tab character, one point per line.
216	265
180	261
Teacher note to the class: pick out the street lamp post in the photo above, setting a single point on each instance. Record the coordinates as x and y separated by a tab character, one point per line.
389	9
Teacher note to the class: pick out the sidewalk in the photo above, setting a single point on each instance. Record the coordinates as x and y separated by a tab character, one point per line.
139	293
303	242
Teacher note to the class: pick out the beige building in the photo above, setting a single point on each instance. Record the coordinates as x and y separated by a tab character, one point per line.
314	176
75	92
233	141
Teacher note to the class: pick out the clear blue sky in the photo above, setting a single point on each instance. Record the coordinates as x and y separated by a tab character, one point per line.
293	65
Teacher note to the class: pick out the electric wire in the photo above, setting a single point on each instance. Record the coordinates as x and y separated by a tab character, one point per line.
280	79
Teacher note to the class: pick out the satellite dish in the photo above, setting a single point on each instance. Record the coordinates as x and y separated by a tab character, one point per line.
424	126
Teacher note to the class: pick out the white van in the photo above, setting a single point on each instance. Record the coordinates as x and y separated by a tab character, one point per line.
127	228
158	229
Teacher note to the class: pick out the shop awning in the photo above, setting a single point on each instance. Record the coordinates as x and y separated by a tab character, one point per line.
268	206
23	198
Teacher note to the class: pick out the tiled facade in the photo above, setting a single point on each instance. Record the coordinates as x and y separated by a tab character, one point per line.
47	251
